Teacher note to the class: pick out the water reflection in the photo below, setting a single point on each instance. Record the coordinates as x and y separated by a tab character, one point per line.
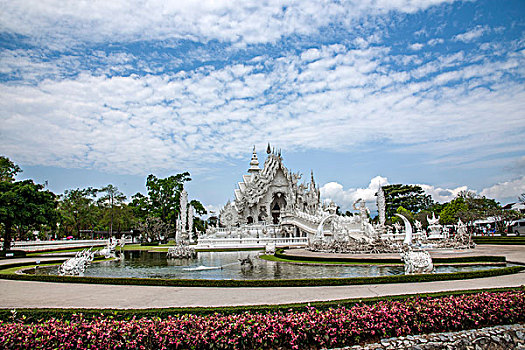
226	265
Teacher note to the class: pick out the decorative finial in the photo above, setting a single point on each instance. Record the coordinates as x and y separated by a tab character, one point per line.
268	149
254	163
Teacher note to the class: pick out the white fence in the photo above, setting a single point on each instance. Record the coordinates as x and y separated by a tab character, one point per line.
35	246
251	242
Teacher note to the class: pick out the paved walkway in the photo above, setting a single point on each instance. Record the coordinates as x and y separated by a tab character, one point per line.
19	294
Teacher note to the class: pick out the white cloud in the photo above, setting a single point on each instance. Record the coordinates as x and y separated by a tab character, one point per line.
416	46
471	34
58	23
442	195
331	98
335	192
435	41
509	190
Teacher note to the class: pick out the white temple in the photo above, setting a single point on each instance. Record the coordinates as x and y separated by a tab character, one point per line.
264	195
270	206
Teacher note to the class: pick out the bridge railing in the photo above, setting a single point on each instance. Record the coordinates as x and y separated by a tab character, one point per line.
32	246
252	242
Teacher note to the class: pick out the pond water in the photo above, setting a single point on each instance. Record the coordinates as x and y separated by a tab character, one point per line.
225	265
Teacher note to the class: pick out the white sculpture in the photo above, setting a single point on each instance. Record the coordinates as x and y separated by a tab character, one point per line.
228	215
417	262
408	229
381	206
397	227
184	223
77	265
363	210
434	220
181	251
183	207
463	238
190	221
109	250
434	227
269	249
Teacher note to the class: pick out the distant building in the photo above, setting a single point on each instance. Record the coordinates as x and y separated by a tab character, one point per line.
519	207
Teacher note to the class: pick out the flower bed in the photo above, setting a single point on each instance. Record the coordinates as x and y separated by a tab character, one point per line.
311	328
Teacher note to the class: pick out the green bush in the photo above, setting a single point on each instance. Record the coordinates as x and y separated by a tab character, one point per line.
270	283
149	244
500	240
16	254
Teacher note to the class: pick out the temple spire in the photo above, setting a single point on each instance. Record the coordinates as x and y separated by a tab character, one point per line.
268	149
254	163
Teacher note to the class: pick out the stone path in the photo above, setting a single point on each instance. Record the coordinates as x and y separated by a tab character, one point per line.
494	338
19	294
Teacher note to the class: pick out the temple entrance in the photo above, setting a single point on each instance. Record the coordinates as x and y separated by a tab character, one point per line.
277	205
276	213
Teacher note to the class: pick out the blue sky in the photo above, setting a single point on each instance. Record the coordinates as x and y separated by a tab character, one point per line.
362	92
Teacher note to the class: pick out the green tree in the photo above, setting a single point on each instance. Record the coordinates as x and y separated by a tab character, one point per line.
154	230
406	213
24	203
8	169
121	218
199	208
162	200
78	210
112	198
200	226
453	211
410	197
140	206
164	195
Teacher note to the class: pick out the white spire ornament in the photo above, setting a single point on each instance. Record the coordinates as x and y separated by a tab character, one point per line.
254	164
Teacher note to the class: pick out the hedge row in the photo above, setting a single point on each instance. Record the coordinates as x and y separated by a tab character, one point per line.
279	254
500	240
309	328
16	254
32	264
37	314
270	283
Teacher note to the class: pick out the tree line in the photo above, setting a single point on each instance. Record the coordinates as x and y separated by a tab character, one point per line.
27	207
412	202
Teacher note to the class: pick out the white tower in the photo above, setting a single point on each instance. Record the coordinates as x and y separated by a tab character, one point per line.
254	164
381	205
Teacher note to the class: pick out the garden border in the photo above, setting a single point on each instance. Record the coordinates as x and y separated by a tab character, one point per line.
37	314
263	283
464	259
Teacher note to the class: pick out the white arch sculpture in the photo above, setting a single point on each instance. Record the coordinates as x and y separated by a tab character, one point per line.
408	230
320	232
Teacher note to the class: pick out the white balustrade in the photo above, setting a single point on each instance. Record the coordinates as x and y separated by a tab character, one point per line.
252	242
